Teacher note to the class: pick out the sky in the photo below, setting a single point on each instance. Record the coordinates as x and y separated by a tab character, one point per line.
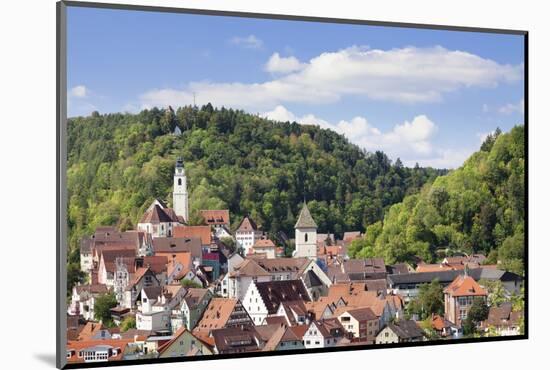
424	96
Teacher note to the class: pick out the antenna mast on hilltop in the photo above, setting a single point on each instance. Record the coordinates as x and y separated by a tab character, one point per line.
194	103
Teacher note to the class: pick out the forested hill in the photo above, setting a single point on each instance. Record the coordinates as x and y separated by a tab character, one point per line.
119	162
476	208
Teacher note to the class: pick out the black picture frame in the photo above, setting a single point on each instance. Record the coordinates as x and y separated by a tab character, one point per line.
61	191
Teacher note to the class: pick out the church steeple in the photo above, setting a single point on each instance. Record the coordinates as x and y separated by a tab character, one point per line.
180	196
305	234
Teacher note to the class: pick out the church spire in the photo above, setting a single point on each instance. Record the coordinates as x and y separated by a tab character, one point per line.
180	196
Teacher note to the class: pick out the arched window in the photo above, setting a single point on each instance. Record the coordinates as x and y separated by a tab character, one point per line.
179	182
305	237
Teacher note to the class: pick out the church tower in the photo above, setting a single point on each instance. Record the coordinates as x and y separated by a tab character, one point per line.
306	235
180	197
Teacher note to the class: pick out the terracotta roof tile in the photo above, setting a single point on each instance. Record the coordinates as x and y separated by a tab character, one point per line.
202	232
464	285
215	216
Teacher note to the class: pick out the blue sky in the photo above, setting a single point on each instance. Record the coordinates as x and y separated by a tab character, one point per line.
422	95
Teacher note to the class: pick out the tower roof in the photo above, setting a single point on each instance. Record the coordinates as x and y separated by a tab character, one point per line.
247	225
305	220
179	162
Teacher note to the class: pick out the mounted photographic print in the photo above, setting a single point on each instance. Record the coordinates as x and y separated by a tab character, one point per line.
235	185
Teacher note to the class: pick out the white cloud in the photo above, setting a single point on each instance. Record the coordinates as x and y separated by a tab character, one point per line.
278	64
510	108
407	75
408	139
443	158
249	42
79	91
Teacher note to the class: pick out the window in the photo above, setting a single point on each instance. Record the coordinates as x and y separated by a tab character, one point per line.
179	182
305	237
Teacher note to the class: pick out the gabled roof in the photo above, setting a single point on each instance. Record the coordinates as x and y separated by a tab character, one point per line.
464	285
284	265
246	338
406	329
157	264
217	314
152	292
194	296
439	323
263	243
177	245
202	232
78	345
277	291
139	274
329	327
90	329
247	225
274	340
91	288
292	308
249	267
177	335
362	314
367	265
156	215
304	219
503	316
311	279
444	277
215	216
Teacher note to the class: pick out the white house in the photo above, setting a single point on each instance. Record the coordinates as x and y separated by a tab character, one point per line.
305	235
157	304
83	300
232	261
247	234
264	246
238	281
323	334
263	299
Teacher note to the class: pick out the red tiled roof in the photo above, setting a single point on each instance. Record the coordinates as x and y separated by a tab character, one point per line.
215	216
464	285
202	232
247	225
157	215
264	243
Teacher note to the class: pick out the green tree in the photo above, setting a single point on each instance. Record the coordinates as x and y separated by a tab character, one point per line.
187	283
495	290
128	323
102	307
74	276
430	300
479	311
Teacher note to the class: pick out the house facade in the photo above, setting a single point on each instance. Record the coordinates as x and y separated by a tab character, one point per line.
247	234
459	297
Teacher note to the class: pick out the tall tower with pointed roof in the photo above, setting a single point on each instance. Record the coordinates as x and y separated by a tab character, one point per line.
180	196
306	235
